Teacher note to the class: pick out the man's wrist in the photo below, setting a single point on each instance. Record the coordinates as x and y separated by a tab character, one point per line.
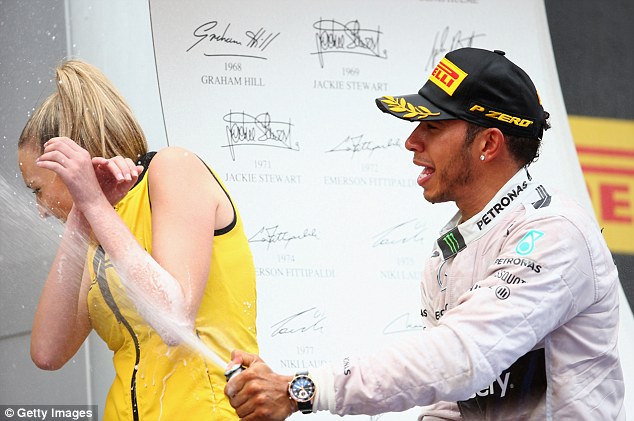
293	404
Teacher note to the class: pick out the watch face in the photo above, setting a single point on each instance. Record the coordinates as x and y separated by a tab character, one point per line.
302	388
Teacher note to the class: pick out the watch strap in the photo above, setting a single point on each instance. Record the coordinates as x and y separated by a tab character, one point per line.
305	407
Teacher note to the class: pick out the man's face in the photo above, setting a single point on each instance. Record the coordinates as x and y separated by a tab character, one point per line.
439	147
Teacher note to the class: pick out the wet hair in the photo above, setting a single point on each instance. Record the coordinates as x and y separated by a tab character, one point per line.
87	108
525	150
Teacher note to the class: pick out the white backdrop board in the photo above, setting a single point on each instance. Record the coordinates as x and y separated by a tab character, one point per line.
278	97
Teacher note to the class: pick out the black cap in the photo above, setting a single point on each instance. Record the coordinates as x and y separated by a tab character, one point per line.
479	86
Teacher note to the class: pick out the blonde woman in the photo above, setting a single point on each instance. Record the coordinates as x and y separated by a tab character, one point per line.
153	255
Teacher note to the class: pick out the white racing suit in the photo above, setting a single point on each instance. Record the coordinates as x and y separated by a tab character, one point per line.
520	306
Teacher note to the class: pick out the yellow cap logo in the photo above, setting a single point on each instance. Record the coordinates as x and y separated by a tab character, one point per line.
399	105
447	76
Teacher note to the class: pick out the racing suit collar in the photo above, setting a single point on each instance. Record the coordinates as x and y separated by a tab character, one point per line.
455	237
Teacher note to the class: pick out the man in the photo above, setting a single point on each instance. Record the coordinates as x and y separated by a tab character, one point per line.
519	294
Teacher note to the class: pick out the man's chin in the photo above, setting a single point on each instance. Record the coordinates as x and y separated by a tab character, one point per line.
434	198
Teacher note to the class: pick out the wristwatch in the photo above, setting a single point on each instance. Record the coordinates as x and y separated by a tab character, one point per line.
302	390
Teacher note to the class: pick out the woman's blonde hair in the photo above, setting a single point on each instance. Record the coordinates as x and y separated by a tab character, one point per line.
87	108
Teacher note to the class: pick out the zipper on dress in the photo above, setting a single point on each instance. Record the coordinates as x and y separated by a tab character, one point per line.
100	264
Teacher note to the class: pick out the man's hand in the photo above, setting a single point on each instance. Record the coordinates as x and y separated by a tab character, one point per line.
258	393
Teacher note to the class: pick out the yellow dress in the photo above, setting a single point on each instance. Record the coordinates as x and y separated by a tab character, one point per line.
154	381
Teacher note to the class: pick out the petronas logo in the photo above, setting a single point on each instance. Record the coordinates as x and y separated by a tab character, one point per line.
527	243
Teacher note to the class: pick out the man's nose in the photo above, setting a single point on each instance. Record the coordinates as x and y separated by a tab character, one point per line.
414	142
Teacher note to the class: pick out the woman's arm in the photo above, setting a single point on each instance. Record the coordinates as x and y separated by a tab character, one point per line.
187	206
61	321
167	288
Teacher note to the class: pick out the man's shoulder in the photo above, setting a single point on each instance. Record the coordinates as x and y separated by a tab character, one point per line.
549	202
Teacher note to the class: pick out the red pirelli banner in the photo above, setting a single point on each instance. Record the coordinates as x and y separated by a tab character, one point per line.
606	152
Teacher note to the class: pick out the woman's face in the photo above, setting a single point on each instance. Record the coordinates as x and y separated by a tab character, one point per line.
51	195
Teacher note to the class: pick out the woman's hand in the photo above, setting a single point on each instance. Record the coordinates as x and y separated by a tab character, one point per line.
73	164
88	179
116	176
